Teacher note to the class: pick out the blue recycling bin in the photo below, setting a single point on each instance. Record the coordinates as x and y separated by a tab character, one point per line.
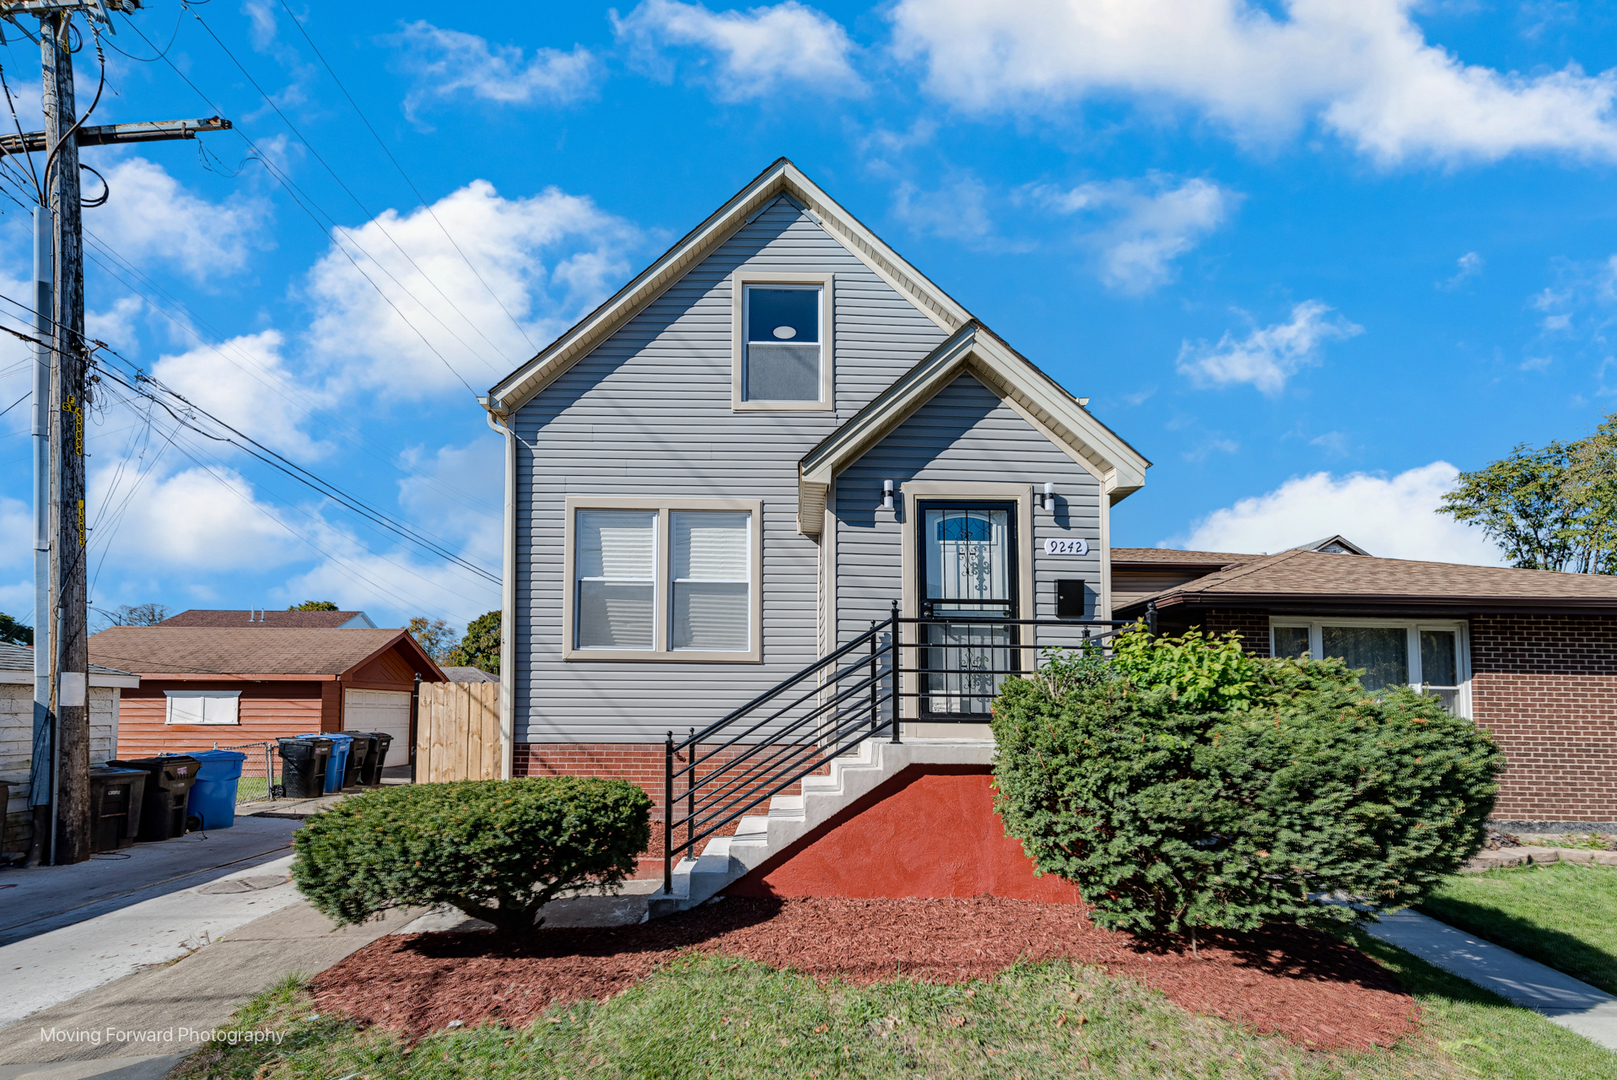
337	764
213	796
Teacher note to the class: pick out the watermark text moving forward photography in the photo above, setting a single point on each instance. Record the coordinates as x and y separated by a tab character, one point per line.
171	1036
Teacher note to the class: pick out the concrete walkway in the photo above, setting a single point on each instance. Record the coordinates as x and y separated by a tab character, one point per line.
139	1026
36	900
53	967
1574	1005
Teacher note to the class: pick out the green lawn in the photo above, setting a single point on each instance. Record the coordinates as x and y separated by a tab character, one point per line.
1561	915
703	1017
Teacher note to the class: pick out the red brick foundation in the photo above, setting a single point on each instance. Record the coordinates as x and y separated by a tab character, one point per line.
929	831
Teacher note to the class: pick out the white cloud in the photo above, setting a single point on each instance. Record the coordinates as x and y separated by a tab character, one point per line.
754	53
1268	355
194	520
252	390
116	325
151	215
1393	517
454	64
1153	223
1361	67
456	494
1467	266
362	338
393	583
958	210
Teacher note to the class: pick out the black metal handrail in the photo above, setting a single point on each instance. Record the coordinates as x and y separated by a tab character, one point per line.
803	723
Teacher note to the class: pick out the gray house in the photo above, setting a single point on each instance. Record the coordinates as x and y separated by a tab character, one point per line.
746	457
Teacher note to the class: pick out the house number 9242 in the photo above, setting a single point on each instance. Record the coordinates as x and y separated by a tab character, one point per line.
1066	547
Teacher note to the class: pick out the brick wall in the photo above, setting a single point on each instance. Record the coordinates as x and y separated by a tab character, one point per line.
1546	686
1253	626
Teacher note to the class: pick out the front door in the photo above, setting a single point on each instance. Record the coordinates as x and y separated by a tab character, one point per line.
968	588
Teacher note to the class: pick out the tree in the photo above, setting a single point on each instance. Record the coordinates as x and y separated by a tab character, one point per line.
480	648
314	605
135	614
435	636
14	632
1553	508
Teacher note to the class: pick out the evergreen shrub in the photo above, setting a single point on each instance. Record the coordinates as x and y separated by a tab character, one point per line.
498	850
1182	785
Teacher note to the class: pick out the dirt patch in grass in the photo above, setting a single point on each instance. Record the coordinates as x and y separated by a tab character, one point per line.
1299	983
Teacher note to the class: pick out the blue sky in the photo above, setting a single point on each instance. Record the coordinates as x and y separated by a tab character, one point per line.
1308	257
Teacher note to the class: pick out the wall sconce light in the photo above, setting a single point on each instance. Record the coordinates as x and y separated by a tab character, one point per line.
886	494
1047	501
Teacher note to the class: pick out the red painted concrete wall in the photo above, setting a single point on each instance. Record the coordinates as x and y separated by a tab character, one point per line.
929	831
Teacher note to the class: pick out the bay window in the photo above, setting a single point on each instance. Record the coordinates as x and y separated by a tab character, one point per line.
1430	656
670	579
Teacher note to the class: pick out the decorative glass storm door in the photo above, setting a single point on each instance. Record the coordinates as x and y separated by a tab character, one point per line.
968	584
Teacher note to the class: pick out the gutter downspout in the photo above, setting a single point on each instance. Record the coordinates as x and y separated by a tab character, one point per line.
508	598
42	758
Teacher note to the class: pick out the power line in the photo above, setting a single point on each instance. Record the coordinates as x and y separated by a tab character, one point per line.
375	218
422	199
304	203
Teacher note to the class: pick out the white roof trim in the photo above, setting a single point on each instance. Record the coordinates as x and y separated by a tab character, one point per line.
97	679
975	350
781	178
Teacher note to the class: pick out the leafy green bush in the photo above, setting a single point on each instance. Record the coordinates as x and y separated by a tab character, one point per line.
1192	787
498	850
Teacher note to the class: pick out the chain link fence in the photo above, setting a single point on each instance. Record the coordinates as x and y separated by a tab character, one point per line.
259	780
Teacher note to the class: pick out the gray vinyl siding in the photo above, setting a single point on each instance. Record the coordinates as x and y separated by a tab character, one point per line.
965	434
648	414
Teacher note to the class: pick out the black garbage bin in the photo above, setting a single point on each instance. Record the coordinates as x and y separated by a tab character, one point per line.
303	766
360	752
168	785
377	759
116	798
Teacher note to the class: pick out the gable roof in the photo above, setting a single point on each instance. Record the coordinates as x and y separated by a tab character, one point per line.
326	620
1168	558
257	651
781	178
978	351
1336	545
1300	579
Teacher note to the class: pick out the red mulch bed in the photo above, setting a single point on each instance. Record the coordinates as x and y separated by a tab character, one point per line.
1299	983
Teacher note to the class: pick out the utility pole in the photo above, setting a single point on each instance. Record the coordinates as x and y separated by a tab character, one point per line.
61	638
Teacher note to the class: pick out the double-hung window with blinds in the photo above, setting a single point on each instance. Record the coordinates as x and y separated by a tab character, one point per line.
1432	657
671	582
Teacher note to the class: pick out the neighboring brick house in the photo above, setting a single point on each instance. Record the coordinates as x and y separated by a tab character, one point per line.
203	685
1529	654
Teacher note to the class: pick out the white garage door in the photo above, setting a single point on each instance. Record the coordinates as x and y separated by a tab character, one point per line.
381	710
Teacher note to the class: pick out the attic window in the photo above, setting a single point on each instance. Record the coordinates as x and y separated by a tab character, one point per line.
782	346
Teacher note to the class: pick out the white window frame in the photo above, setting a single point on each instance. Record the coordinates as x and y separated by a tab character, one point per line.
233	697
738	343
1412	627
663	585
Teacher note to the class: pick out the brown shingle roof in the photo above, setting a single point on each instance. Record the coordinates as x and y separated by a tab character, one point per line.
1173	557
269	650
309	620
1361	580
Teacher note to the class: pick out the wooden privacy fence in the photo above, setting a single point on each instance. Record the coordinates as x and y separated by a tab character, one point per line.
458	732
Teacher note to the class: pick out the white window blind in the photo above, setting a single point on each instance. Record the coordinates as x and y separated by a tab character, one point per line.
203	706
615	559
710	553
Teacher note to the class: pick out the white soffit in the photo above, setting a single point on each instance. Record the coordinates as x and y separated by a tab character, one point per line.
781	178
976	350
